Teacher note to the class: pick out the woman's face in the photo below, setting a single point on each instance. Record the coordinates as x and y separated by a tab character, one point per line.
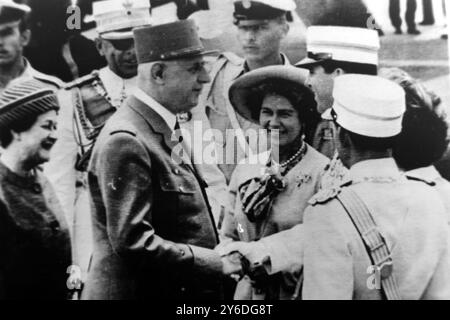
277	113
37	142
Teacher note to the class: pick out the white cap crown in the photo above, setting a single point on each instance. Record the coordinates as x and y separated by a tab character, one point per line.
113	16
369	105
349	44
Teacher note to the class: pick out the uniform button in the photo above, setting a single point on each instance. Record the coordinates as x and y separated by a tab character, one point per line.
176	171
181	188
182	253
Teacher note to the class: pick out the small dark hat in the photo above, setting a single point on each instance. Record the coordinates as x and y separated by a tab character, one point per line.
23	99
247	92
11	11
169	41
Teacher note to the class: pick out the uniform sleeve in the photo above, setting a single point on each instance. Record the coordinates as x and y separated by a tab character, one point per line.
328	265
285	250
60	170
439	286
125	184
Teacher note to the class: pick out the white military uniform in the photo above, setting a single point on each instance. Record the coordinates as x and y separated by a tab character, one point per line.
411	218
409	215
115	20
432	177
61	171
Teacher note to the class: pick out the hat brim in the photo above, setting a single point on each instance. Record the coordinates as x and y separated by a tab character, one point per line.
193	54
244	90
308	63
117	35
16	6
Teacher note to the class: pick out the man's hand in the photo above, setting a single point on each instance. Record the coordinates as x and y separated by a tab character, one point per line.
232	265
254	252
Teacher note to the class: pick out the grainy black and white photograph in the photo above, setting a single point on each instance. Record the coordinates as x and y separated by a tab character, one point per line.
224	150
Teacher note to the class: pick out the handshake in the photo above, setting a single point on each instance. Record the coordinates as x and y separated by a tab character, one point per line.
243	258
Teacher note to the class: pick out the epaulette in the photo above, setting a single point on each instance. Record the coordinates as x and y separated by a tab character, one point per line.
94	75
54	81
232	57
326	195
132	132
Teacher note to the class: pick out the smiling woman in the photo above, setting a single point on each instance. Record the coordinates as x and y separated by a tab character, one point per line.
267	198
35	249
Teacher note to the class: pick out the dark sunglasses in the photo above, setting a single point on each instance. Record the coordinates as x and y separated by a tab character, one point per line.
320	56
122	45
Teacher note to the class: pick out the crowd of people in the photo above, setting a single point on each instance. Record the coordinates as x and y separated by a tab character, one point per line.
319	182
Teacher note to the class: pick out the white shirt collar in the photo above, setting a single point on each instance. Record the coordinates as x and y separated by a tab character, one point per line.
116	86
168	116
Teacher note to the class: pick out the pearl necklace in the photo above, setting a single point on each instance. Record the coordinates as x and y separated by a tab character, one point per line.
299	154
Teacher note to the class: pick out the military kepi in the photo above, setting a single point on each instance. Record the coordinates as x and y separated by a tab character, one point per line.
115	19
370	106
247	10
169	41
345	44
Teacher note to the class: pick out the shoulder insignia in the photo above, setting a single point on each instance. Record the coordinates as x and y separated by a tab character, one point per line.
233	58
324	195
133	133
94	75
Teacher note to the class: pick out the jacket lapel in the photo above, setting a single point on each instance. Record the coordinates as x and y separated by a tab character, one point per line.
159	126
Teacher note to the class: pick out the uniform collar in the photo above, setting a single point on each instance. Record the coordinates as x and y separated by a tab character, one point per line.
115	86
378	170
168	116
428	174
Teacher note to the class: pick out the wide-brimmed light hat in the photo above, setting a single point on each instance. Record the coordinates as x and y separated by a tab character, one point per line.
247	92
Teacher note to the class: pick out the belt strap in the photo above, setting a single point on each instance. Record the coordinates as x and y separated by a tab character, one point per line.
373	240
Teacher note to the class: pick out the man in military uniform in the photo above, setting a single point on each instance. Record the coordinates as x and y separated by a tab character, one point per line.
328	247
374	225
333	51
262	25
14	37
154	232
86	105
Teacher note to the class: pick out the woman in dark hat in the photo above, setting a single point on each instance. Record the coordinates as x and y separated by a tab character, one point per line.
424	138
35	250
270	193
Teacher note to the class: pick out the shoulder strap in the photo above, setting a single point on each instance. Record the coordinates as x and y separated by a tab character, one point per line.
373	240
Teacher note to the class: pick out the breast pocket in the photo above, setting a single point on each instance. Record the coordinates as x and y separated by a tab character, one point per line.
177	181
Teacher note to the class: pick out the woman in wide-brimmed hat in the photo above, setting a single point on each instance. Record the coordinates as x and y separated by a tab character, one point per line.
270	193
35	250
